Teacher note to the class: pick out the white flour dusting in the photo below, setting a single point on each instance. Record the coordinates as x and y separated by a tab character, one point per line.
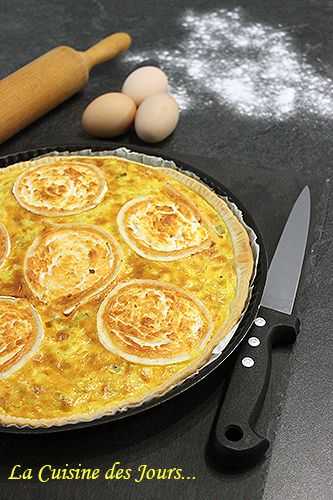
250	67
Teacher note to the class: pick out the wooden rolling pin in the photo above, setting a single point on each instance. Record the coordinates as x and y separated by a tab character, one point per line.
41	85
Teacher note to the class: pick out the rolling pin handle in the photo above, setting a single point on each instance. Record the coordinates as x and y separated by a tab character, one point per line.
107	49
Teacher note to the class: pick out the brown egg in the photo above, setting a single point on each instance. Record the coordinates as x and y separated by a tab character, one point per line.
144	82
156	118
109	115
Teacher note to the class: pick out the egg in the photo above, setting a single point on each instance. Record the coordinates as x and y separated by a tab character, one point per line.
109	115
144	82
156	118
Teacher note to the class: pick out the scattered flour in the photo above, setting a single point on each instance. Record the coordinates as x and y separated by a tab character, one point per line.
250	67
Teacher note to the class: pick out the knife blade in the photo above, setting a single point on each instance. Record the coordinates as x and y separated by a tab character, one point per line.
235	442
286	266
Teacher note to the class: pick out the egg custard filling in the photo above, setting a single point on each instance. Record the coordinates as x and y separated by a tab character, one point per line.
4	244
117	280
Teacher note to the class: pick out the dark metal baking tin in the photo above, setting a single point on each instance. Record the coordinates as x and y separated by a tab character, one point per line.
243	327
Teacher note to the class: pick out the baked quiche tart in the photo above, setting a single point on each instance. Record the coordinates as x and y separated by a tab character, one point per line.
117	281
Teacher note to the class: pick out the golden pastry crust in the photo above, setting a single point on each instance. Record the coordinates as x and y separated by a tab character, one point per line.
68	264
73	377
21	332
60	186
4	244
153	323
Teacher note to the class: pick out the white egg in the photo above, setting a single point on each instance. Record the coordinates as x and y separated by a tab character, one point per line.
156	118
144	82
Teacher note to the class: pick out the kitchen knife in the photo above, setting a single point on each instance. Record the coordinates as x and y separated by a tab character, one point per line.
235	441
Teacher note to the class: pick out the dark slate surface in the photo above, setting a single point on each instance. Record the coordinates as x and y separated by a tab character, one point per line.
265	163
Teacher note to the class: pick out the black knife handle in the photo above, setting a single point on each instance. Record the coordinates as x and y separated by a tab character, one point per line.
236	443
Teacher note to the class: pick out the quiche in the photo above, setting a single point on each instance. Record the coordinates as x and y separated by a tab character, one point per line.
117	281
